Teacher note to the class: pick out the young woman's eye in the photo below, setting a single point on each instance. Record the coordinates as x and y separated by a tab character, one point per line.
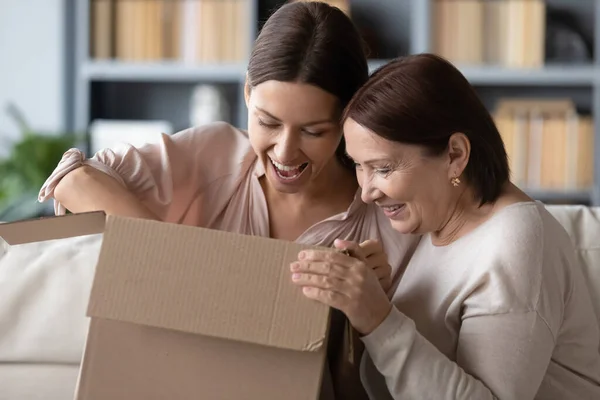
357	166
313	133
263	123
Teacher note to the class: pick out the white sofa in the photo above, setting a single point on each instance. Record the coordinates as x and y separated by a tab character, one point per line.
44	290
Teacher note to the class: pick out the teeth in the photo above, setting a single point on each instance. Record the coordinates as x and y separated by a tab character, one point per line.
393	208
285	167
287	177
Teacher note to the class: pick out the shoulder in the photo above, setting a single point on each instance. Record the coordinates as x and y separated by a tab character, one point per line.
218	149
216	139
524	228
520	252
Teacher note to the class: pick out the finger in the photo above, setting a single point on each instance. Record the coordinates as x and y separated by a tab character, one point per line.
319	268
329	256
371	247
353	247
378	260
385	284
328	297
382	272
318	281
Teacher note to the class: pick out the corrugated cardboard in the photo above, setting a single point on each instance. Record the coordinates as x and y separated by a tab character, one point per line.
180	312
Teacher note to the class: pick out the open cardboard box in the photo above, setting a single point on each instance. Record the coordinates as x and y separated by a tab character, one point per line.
179	312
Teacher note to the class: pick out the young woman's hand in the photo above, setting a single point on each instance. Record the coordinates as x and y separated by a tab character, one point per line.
376	259
344	282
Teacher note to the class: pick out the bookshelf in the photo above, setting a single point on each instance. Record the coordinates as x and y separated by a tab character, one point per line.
117	88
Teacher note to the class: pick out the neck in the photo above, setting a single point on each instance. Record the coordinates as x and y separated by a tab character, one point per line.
465	214
334	182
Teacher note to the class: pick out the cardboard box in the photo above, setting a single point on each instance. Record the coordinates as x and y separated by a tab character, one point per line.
178	312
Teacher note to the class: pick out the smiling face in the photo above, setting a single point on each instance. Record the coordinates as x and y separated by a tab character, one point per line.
294	131
412	187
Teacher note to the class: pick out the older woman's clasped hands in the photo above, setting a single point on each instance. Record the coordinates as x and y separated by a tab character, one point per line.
354	284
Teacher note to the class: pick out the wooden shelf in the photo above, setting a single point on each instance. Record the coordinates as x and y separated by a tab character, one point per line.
164	71
550	75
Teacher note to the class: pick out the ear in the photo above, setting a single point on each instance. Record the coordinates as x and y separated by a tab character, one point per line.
459	150
247	90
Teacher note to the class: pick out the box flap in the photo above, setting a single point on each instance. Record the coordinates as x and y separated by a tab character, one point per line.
205	282
52	228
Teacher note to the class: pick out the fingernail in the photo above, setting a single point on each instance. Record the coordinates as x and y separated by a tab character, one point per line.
295	266
307	290
295	276
301	255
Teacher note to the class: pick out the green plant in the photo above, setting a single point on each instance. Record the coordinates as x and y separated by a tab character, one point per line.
30	162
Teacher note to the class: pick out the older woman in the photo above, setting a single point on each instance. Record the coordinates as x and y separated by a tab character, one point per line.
493	303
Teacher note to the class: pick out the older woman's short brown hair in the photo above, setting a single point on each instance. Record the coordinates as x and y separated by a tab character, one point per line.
423	99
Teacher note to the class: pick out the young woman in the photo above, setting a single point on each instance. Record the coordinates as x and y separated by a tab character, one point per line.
287	177
493	304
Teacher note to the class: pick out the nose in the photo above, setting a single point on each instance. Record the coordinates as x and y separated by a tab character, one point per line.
369	192
287	146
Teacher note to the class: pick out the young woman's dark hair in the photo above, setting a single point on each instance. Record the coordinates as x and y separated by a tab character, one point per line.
423	99
312	43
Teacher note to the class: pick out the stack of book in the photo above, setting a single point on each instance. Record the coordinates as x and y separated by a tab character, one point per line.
192	31
508	33
549	145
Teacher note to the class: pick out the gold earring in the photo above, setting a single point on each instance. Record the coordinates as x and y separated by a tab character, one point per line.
455	181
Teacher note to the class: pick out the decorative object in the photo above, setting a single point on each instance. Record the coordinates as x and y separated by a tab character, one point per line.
208	104
565	41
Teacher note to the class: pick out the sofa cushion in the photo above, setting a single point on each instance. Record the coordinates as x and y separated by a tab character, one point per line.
583	226
38	381
44	290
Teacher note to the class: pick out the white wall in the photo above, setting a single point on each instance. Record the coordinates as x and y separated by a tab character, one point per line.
31	64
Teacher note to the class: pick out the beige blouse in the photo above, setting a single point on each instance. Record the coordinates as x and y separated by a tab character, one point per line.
502	313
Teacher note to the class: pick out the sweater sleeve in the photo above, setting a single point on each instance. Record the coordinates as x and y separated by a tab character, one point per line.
165	175
499	356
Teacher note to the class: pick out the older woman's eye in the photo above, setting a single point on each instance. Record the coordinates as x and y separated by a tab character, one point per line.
383	171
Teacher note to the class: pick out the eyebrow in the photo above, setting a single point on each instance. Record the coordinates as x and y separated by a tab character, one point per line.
375	160
268	114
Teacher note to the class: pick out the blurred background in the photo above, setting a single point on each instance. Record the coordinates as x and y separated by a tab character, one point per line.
92	73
